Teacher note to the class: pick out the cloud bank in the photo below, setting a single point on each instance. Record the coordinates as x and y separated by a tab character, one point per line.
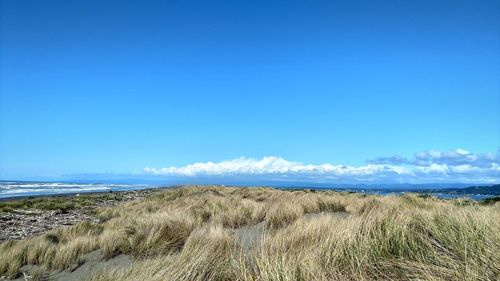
427	166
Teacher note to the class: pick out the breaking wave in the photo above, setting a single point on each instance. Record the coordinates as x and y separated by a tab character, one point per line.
16	188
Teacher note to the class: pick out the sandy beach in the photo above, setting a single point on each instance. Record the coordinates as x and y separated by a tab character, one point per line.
23	217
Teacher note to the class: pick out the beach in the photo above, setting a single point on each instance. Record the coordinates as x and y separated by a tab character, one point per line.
253	233
23	217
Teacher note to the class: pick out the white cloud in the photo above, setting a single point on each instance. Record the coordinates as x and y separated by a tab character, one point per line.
456	157
270	165
431	166
433	169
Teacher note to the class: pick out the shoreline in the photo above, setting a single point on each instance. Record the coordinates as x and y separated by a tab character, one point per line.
71	194
441	194
24	217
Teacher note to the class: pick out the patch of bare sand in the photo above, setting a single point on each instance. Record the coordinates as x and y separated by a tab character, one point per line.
250	236
93	262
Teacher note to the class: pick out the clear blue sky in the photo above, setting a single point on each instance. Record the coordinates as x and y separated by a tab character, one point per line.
115	86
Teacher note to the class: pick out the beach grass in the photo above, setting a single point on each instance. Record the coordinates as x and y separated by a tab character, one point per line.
60	203
190	233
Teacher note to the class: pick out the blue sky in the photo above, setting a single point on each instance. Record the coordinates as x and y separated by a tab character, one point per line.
117	86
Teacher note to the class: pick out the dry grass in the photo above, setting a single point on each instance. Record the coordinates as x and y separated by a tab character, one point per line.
187	234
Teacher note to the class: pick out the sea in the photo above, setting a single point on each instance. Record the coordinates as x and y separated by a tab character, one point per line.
12	189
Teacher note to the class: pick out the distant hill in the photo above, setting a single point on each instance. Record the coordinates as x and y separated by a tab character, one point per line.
483	190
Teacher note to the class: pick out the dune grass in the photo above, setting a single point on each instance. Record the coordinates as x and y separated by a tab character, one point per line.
188	234
63	203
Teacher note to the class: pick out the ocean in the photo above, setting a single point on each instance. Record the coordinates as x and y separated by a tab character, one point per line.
10	189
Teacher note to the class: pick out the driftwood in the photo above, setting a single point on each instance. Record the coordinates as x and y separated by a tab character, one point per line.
22	223
26	276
